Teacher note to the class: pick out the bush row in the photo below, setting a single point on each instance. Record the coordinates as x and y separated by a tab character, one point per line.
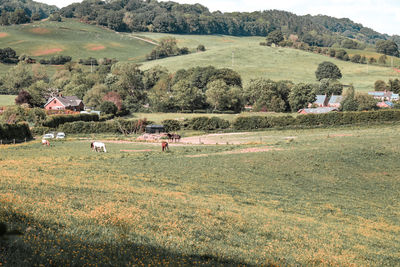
56	120
18	131
315	120
117	126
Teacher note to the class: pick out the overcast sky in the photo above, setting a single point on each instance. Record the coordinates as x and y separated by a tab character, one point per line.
380	15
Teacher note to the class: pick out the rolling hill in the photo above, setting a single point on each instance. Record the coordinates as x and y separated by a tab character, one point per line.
71	38
252	60
80	40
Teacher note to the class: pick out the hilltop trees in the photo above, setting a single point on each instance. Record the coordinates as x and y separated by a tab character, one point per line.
387	47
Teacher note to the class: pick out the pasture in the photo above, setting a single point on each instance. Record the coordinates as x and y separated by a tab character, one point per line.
7	100
321	197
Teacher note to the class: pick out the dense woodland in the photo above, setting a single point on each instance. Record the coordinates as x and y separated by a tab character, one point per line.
17	12
171	17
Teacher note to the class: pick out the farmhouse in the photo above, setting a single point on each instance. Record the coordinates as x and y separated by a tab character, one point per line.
64	102
317	110
384	95
385	104
320	101
334	101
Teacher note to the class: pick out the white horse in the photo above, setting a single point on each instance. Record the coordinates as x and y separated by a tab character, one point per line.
98	146
45	142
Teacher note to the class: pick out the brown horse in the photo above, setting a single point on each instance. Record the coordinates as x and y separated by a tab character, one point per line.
174	137
164	146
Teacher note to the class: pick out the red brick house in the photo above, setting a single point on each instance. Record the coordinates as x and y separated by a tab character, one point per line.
64	102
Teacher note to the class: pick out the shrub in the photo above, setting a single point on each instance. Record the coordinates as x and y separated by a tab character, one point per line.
171	125
108	107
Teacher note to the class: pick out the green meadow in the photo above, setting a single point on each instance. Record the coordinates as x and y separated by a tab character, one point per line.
321	197
7	100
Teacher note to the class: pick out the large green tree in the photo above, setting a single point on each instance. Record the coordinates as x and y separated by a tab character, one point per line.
328	70
187	97
274	37
301	95
268	94
224	97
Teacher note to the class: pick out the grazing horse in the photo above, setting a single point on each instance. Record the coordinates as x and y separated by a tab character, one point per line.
174	137
164	146
98	146
45	142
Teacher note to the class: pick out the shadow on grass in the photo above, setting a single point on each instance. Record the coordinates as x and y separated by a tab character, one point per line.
43	245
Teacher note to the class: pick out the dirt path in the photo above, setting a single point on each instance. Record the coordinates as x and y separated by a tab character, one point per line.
144	40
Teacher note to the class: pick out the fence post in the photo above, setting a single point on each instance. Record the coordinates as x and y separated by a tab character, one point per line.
14	141
1	141
25	139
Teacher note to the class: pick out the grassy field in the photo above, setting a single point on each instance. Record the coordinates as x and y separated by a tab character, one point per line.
7	100
252	61
79	40
324	197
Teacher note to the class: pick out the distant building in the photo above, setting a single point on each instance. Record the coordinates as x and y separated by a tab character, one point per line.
334	101
384	95
151	129
320	101
64	102
385	104
317	110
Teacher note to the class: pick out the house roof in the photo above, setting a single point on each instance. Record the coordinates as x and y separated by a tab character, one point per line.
318	110
66	101
153	126
335	99
320	99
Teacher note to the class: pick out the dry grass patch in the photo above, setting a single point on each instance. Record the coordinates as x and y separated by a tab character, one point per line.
95	47
40	31
49	51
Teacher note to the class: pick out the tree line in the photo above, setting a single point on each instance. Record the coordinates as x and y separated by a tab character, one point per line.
171	17
119	88
19	12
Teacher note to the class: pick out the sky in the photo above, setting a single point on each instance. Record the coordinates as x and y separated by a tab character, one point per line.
381	15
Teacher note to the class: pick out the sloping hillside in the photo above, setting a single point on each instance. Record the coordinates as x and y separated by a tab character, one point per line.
71	38
246	56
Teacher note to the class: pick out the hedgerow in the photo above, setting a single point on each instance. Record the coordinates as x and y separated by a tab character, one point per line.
56	120
117	126
18	131
206	123
316	120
